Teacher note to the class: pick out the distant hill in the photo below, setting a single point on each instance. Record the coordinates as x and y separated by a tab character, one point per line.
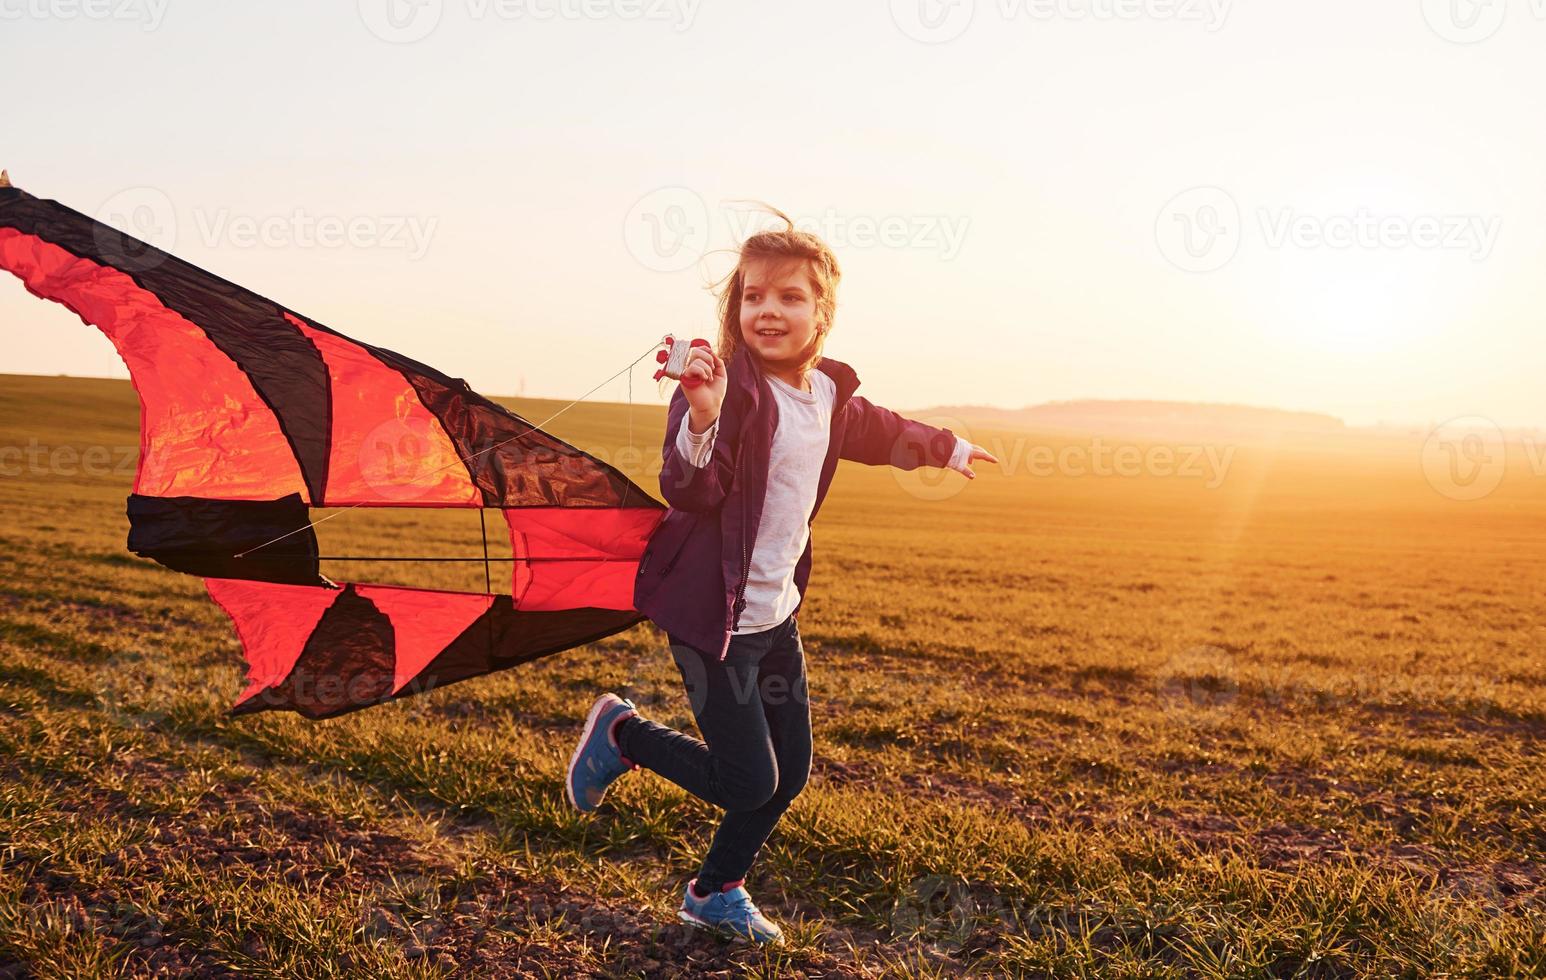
1155	419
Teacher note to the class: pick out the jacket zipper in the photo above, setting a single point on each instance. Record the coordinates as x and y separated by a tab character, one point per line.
740	593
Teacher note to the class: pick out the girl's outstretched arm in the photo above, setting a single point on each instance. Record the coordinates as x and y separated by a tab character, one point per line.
880	437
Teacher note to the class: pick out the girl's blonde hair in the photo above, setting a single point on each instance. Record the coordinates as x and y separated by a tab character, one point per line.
785	248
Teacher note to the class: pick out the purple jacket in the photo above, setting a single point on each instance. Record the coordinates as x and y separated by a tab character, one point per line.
692	576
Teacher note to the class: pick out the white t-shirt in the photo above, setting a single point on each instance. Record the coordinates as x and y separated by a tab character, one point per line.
794	473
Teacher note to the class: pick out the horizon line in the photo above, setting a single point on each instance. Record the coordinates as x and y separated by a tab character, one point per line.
1523	427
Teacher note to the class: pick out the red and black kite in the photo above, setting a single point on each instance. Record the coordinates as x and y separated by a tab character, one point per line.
250	414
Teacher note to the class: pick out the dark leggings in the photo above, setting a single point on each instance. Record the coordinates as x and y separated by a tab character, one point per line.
754	712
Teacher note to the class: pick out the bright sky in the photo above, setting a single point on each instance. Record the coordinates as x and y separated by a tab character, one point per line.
1318	205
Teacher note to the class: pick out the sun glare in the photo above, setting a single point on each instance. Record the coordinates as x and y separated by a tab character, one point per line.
1345	306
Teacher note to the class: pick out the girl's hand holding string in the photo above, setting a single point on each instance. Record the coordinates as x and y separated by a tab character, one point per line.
706	392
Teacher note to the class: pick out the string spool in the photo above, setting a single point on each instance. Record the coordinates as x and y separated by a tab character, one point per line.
673	361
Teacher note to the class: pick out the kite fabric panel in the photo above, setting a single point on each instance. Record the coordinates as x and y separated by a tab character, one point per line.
252	414
584	555
325	652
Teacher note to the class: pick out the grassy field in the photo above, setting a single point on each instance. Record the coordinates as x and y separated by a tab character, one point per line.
1275	715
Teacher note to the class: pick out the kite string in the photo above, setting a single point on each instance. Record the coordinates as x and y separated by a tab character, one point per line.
465	459
628	482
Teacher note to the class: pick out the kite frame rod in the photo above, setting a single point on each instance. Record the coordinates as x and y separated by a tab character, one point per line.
467	459
220	554
490	560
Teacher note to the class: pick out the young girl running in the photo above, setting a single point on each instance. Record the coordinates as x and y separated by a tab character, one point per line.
749	453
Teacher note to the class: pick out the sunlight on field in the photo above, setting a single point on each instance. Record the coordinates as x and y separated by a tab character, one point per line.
1163	709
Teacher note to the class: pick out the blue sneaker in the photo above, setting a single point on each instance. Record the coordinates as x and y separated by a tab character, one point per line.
730	910
597	760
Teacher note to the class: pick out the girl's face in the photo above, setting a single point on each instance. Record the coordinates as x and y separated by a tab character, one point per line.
778	313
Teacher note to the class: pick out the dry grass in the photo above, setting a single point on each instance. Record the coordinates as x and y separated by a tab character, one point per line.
1284	725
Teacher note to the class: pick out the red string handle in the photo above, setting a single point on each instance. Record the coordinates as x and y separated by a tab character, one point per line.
664	355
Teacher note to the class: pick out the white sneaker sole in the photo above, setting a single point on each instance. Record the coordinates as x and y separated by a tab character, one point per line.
574	757
691	919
